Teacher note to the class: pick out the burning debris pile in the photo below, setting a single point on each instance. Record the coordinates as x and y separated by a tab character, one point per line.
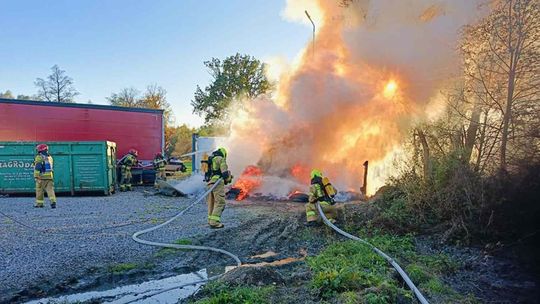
248	185
368	78
249	180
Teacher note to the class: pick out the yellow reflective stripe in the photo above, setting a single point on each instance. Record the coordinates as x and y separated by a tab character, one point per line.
325	203
214	218
310	213
40	201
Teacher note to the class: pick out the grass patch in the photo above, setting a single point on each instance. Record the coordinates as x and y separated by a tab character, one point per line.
356	274
353	266
170	251
220	293
349	297
122	268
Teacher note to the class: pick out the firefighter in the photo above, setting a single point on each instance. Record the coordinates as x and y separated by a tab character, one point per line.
320	191
159	165
217	166
43	175
128	161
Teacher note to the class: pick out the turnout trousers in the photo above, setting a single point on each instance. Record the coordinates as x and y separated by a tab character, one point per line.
312	214
216	203
160	175
42	186
125	181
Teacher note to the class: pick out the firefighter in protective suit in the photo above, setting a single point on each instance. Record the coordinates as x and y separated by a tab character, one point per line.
126	163
218	168
320	191
159	165
43	175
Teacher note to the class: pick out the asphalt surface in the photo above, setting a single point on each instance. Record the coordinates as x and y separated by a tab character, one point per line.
87	232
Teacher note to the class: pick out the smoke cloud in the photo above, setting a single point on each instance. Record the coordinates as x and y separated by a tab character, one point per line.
375	67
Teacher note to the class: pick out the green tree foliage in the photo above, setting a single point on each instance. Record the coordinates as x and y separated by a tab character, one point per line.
27	97
57	87
182	144
181	137
235	77
7	94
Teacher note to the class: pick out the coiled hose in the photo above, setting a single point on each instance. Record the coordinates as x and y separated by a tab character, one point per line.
136	238
394	264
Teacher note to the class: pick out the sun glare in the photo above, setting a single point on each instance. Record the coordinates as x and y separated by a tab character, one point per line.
390	89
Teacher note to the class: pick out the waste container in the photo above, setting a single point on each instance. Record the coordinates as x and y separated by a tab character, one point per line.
78	166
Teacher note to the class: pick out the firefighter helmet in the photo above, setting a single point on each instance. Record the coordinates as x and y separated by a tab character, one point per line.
133	152
223	151
159	154
316	172
42	147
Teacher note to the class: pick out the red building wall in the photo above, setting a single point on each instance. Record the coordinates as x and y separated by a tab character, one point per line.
141	129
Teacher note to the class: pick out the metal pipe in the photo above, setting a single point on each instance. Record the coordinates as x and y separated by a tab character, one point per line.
194	137
312	23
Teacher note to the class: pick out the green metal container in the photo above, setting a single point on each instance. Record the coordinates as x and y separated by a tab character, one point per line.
78	166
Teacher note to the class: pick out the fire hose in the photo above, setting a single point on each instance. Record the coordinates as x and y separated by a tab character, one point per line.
390	260
136	238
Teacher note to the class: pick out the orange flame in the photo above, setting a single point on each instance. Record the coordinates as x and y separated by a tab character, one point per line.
249	180
301	173
294	193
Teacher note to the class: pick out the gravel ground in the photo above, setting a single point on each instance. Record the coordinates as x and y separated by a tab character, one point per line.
70	240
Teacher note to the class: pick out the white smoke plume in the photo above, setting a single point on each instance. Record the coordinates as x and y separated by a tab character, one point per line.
375	68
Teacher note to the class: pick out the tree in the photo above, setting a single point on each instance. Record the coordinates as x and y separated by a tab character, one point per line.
27	97
155	98
57	87
181	140
7	94
502	61
235	77
127	97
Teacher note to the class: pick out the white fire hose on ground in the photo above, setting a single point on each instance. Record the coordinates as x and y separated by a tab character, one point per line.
394	264
136	238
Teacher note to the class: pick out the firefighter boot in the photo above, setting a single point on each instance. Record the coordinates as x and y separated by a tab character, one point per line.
217	226
53	205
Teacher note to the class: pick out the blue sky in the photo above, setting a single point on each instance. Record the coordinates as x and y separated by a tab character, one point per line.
107	45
